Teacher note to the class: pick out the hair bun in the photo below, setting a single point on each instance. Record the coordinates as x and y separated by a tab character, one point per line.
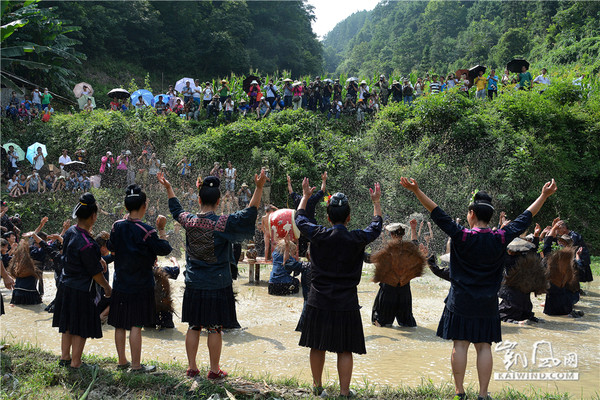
339	199
87	199
133	190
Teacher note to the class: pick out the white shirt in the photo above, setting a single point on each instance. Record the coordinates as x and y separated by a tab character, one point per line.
271	92
197	92
208	94
542	79
13	159
229	173
39	162
63	160
229	106
362	90
36	97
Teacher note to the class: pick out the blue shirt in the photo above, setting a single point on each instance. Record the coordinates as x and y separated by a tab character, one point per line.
81	259
493	82
337	259
208	244
279	274
135	246
477	263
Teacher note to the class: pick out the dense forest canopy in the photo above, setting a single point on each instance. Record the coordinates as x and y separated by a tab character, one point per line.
203	39
207	38
398	37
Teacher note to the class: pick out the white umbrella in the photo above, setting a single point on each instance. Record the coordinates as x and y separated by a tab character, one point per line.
182	83
78	89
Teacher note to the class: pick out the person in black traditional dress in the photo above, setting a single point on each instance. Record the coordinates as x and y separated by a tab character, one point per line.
476	265
332	319
135	246
75	313
584	270
311	206
208	300
395	302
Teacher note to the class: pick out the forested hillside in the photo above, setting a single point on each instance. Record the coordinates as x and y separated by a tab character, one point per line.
170	39
398	37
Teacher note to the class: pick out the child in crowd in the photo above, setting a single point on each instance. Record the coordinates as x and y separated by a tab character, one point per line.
208	300
135	246
332	318
476	265
75	314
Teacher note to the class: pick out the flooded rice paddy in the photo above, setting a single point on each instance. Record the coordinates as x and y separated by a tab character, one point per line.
555	350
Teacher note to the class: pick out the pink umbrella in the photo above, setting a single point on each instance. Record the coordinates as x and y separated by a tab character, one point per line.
78	89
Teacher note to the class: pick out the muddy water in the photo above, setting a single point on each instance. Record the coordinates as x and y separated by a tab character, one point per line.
395	356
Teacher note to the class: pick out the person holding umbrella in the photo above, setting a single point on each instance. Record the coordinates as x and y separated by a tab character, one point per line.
172	93
38	160
140	103
525	79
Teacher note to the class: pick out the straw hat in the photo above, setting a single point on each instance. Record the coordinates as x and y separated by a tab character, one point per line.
224	81
396	226
518	245
287	80
244	185
254	82
363	82
395	82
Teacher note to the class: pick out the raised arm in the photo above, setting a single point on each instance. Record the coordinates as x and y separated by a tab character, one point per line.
413	230
41	225
376	199
163	181
259	181
547	191
307	191
324	181
413	186
289	185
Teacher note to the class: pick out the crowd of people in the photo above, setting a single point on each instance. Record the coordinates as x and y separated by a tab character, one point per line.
331	97
481	259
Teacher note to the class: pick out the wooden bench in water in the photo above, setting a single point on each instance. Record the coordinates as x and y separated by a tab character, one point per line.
254	268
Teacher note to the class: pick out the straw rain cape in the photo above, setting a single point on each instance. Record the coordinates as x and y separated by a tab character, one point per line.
528	275
397	263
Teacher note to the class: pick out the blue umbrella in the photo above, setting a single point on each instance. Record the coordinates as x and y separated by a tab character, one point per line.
146	95
32	151
165	99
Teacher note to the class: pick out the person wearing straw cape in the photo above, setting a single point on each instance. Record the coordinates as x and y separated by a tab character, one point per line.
476	264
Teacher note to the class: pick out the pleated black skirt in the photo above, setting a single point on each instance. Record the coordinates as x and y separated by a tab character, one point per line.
76	313
335	331
132	309
25	291
454	326
393	302
205	308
